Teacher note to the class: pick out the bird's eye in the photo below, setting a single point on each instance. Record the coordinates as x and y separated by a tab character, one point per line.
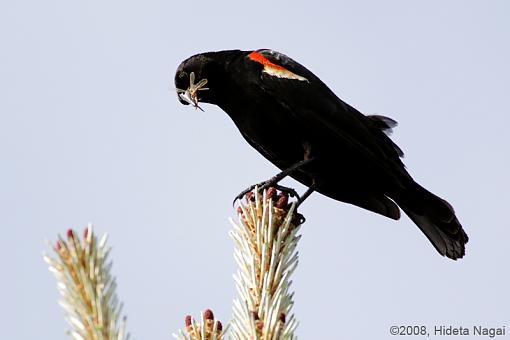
183	75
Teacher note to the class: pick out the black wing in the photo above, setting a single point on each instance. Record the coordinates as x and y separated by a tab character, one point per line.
314	103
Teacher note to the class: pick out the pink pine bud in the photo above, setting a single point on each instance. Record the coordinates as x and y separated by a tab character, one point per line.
282	201
208	315
271	193
70	234
187	320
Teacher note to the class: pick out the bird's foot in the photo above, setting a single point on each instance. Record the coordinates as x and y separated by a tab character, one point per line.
245	191
291	192
279	195
266	185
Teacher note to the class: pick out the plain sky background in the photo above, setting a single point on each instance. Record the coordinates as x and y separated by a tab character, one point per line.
91	131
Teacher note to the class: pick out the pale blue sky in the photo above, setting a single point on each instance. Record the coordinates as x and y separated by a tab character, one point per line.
91	131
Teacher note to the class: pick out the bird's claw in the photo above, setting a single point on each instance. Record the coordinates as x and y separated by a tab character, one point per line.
247	190
291	192
266	185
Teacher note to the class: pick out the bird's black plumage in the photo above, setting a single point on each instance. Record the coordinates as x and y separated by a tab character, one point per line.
286	113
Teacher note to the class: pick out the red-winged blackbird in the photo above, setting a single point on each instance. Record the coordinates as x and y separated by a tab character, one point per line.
294	120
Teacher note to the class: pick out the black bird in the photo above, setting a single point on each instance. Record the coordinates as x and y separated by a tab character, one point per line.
294	120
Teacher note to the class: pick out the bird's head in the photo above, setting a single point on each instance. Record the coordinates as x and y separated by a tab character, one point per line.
201	78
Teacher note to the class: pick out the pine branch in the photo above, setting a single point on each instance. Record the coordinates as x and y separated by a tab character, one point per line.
82	270
266	239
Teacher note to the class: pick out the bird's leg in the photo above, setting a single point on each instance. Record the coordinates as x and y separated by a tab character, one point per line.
289	171
307	193
273	181
308	155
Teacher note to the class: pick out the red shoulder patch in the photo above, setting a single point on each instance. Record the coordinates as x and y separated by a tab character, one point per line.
259	58
274	69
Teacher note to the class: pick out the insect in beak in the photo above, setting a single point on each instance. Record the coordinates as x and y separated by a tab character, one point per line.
190	95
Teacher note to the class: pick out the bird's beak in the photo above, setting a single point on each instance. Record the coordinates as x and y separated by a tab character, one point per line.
186	98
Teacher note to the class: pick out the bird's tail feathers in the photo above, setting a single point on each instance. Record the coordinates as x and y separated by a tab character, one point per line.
436	219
